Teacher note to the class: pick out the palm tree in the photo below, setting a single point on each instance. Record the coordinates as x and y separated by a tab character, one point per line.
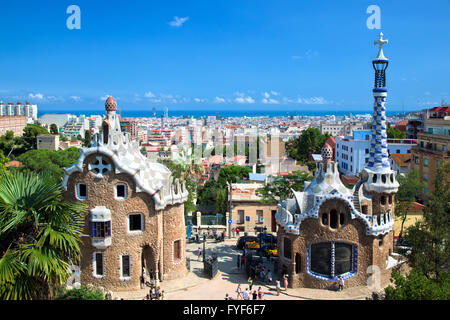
40	235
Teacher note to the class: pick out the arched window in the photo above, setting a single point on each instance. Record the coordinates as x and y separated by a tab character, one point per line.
341	219
383	178
374	179
325	219
383	200
333	219
327	260
390	199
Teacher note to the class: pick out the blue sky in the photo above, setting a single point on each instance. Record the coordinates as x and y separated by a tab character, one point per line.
289	55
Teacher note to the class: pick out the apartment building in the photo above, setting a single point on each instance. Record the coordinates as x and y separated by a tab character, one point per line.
433	147
353	152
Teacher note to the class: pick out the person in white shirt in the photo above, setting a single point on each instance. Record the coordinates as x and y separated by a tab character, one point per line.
246	294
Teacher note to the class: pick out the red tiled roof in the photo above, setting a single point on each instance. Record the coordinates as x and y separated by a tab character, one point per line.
401	159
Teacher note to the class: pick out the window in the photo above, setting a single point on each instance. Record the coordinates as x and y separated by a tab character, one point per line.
398	151
425	177
438	163
287	248
416	160
364	209
100	229
325	219
177	250
259	216
333	219
383	200
341	219
98	264
241	216
425	191
135	222
121	191
331	259
425	162
367	151
126	266
390	199
81	191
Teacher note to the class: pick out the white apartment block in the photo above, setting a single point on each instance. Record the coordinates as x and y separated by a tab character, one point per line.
29	110
353	152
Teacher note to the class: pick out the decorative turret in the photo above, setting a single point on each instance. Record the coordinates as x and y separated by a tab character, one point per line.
378	175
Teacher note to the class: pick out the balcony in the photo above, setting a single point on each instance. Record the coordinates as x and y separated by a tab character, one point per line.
440	153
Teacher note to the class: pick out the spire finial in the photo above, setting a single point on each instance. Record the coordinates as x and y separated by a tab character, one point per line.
381	42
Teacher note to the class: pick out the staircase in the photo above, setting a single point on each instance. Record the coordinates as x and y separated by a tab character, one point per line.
356	196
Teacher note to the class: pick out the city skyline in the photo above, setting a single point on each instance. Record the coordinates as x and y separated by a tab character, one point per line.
291	57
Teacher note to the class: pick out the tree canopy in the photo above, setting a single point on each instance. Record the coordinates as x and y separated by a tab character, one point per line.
279	189
309	142
50	162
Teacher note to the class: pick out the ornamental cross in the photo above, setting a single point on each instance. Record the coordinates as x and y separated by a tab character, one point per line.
381	42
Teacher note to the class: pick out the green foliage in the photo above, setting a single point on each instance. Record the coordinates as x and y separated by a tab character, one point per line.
232	173
39	236
409	184
87	141
416	286
429	238
11	145
393	133
82	293
30	132
280	188
221	201
309	142
54	129
50	162
207	194
3	161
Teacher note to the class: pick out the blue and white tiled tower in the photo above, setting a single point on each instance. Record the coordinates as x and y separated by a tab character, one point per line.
377	173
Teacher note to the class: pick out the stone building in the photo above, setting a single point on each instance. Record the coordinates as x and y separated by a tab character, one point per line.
329	230
135	217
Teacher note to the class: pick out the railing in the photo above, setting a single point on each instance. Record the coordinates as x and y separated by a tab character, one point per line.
213	219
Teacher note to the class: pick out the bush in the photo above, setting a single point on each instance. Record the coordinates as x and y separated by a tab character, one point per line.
82	293
416	286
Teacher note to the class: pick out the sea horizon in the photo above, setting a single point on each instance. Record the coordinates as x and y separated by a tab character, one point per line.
230	113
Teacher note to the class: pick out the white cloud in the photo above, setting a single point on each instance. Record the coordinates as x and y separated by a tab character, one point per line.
75	98
270	101
266	94
166	96
178	22
38	96
106	96
247	99
199	100
219	100
274	93
149	94
312	100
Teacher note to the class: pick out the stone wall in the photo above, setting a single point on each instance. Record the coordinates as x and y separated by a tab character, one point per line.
352	231
144	247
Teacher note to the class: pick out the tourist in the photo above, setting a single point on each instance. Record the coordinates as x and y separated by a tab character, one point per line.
239	293
285	280
158	293
162	295
269	277
254	295
233	231
246	294
278	287
227	297
199	253
237	231
341	283
260	293
250	283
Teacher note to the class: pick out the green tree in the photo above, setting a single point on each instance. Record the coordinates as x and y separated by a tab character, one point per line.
232	173
87	139
279	189
309	142
50	162
207	194
30	133
54	129
393	133
39	236
429	238
409	184
221	201
416	286
82	293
